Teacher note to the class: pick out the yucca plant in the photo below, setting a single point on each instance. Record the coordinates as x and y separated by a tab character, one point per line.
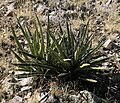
69	57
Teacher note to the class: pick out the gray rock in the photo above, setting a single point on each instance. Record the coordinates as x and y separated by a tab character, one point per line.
16	99
86	97
41	8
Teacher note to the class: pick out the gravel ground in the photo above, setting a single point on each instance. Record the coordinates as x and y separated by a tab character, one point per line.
104	18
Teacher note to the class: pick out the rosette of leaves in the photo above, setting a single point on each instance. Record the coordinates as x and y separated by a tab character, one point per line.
69	57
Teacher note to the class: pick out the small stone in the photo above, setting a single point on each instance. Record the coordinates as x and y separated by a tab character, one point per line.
41	8
26	42
10	10
26	88
90	97
16	99
25	81
108	2
20	41
107	44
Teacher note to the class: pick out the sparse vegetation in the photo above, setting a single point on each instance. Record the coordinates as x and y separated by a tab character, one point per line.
69	57
58	59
